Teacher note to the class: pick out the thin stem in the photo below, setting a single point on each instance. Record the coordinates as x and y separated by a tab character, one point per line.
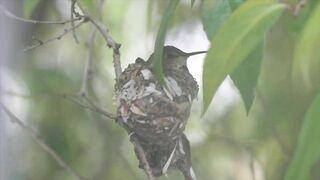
12	16
72	13
14	94
142	156
58	37
88	67
99	109
92	107
111	43
135	141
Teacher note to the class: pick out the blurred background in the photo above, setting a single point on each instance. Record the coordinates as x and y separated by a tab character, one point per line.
226	143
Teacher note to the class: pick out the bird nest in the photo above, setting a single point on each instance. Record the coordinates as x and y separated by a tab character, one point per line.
157	114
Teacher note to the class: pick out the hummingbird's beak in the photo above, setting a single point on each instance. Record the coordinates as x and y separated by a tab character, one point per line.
195	53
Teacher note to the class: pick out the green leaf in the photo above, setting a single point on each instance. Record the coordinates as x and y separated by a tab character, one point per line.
245	76
306	64
158	48
29	6
307	152
214	14
237	37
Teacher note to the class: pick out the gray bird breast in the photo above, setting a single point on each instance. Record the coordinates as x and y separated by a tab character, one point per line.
155	114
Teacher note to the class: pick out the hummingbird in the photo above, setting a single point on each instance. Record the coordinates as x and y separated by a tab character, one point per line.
158	114
174	58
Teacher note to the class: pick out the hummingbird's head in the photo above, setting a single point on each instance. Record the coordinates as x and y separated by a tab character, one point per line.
174	58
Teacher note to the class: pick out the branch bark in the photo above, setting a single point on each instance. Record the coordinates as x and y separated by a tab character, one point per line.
88	67
72	13
92	107
135	141
12	16
58	37
111	43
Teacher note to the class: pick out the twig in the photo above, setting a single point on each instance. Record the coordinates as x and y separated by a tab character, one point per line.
111	43
14	94
142	156
99	109
114	145
135	141
92	107
139	149
88	67
43	145
58	37
12	16
73	12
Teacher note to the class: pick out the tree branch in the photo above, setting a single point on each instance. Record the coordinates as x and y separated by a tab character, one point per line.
72	13
92	107
58	37
88	67
111	43
135	141
42	144
14	94
12	16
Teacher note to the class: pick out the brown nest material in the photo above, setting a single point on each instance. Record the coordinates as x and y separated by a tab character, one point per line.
157	114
